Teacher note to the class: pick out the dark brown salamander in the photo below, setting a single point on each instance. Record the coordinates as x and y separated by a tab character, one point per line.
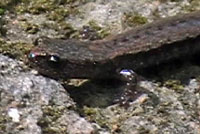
145	46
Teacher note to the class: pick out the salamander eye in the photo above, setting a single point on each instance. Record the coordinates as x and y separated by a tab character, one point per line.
54	61
54	58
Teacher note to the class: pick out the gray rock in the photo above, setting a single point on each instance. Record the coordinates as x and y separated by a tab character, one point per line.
31	104
28	101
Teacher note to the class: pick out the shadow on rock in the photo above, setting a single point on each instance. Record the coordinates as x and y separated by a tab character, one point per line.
103	93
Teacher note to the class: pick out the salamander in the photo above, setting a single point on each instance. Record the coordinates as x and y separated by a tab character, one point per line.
120	55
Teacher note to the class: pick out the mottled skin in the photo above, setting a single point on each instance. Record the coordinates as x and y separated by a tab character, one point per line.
139	48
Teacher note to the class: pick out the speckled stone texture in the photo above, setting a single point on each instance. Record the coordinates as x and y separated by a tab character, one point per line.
27	101
33	104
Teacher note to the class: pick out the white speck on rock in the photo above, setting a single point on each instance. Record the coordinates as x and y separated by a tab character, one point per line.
14	114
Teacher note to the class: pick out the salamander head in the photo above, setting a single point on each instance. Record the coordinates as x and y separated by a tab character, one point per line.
70	58
46	63
58	58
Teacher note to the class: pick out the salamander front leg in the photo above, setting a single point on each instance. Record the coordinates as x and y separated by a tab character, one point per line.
129	87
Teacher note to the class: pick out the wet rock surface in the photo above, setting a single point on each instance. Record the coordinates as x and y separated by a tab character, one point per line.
34	104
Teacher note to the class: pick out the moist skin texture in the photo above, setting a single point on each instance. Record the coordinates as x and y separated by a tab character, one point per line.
149	45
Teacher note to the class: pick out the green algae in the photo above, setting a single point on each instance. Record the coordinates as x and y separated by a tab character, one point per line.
130	19
95	115
110	118
3	30
30	28
35	7
45	6
57	11
195	5
59	14
53	10
174	85
4	3
17	50
102	32
3	122
92	31
2	11
48	122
